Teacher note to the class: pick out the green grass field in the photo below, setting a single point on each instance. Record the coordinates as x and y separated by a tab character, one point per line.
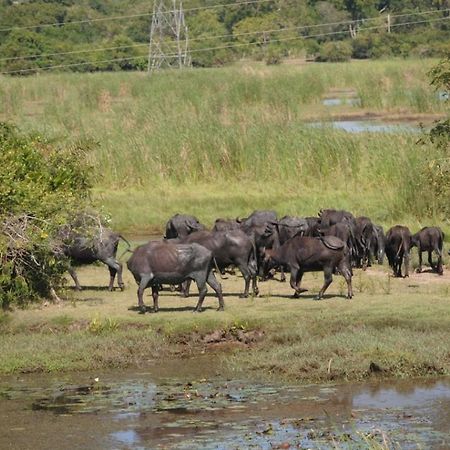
222	142
401	325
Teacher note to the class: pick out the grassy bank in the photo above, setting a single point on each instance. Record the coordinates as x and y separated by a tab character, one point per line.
222	142
402	326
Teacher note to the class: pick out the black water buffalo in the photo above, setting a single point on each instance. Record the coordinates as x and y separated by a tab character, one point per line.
313	226
288	227
330	217
257	218
261	227
364	233
308	254
232	247
82	249
164	262
429	239
398	244
342	231
378	243
180	225
226	224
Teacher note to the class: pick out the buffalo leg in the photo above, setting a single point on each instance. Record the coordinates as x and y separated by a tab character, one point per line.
348	278
145	279
419	269
430	259
255	285
202	290
184	288
114	267
74	276
155	295
246	274
295	281
328	278
406	258
212	281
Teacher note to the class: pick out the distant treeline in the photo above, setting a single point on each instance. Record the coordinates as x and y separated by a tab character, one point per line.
92	35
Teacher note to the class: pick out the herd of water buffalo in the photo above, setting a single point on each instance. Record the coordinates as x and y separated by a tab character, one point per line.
333	242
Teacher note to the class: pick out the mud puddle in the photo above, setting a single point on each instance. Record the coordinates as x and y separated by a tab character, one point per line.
192	404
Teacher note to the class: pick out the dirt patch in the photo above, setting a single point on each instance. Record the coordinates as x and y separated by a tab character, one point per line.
226	338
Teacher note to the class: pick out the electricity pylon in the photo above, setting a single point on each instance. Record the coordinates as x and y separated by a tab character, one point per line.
168	46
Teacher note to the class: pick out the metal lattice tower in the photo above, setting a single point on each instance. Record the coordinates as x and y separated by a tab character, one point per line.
168	46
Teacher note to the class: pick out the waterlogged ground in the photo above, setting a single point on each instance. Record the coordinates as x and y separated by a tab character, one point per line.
193	404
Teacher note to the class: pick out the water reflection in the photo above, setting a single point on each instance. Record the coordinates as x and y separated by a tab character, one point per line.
187	404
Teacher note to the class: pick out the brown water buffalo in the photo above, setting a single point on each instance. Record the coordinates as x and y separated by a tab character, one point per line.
398	244
163	262
429	239
232	247
84	249
180	225
308	254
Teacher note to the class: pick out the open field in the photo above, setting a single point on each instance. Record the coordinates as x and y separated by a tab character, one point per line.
400	325
222	142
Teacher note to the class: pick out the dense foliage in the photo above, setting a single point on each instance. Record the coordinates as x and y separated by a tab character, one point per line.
86	39
436	173
41	187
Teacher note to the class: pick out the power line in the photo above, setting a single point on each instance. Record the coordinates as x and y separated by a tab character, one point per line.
205	38
131	16
199	8
59	66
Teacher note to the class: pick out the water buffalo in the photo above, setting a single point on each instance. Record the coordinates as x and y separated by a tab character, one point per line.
180	225
83	249
377	244
308	254
344	232
164	262
290	226
330	217
429	239
398	244
226	224
261	227
364	233
232	247
258	218
313	226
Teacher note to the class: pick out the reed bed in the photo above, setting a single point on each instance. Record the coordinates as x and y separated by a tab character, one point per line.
222	141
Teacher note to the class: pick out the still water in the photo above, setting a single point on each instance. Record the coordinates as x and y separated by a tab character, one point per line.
195	404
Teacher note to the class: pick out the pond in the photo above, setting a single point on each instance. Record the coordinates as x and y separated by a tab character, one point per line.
195	403
359	126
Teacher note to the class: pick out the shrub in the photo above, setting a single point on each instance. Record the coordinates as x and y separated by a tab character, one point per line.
41	186
335	52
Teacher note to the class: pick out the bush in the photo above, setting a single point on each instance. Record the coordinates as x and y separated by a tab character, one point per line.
41	187
335	52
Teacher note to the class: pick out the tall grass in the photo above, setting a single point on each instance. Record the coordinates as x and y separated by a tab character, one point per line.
221	137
